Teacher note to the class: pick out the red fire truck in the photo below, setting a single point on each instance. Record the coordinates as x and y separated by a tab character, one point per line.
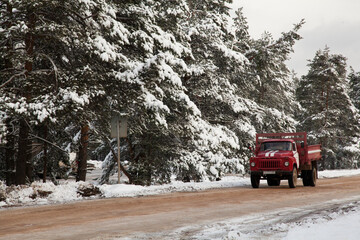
284	156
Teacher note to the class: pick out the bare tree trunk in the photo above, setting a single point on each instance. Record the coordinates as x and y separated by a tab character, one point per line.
82	161
45	153
23	153
10	155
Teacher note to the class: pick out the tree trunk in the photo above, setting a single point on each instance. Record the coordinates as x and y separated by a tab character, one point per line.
23	163
10	155
10	139
82	160
45	154
23	153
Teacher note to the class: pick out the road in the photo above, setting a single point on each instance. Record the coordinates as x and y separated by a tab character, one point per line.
162	214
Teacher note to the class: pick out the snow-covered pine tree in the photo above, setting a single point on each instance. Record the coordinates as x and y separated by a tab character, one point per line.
167	130
274	86
354	78
209	86
7	165
159	108
63	43
328	115
265	72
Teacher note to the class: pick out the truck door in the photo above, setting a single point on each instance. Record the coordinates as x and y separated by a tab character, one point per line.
296	154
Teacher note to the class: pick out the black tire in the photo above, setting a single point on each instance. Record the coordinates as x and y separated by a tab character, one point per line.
305	178
312	176
255	181
273	182
293	178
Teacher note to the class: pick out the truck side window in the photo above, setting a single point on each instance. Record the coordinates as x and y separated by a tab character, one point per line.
294	147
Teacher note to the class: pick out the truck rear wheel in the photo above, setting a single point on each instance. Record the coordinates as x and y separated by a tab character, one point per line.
293	178
255	180
305	178
312	176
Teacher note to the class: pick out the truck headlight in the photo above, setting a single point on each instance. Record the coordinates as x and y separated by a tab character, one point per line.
286	164
252	164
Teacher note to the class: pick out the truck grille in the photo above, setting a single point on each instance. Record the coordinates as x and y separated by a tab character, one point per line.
271	164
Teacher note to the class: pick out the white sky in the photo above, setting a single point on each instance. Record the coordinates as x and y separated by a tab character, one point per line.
335	23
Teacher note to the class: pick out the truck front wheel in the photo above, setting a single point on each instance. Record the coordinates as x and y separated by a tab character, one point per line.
293	178
255	180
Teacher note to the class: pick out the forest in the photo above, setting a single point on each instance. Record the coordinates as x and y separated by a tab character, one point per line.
194	86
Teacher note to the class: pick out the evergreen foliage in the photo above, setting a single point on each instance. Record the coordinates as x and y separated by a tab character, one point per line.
329	115
63	81
354	78
194	87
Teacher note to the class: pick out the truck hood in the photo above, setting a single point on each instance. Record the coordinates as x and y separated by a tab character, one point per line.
275	154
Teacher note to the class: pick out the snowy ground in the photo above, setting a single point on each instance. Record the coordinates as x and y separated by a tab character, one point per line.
339	222
47	193
333	222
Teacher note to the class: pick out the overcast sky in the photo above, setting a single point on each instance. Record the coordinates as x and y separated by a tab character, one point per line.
332	23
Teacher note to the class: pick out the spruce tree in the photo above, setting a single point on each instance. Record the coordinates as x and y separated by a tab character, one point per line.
328	114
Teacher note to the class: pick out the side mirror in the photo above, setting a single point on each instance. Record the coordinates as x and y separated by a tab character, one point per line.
251	149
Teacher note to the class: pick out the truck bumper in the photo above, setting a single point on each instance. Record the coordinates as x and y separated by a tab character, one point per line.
272	173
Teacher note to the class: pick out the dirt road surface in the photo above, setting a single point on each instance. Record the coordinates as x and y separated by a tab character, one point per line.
145	216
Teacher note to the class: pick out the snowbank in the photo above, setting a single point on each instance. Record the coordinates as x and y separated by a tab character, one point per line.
39	193
123	190
339	173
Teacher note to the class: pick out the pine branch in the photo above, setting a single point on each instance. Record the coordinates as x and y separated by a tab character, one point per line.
44	140
55	69
23	73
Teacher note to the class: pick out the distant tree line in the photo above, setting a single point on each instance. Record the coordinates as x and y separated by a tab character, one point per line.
195	87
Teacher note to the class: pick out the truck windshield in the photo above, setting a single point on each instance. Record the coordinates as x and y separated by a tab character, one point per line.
284	146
